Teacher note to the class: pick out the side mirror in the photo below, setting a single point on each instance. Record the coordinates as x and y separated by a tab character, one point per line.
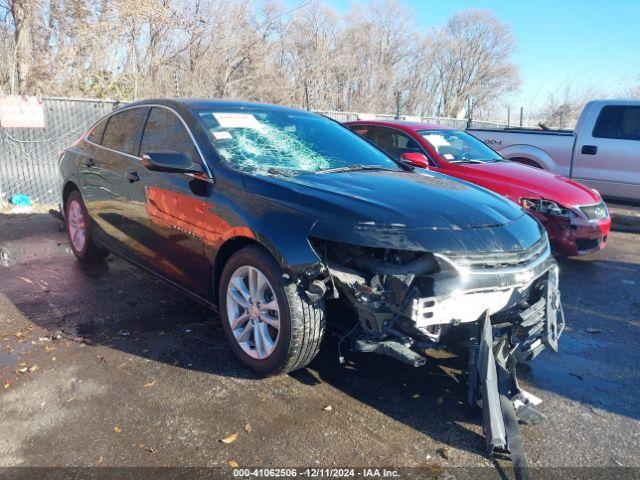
416	159
172	162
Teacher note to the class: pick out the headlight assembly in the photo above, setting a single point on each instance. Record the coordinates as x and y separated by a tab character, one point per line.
546	207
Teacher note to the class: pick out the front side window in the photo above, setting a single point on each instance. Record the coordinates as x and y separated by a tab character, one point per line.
456	146
393	142
263	138
124	129
165	132
618	121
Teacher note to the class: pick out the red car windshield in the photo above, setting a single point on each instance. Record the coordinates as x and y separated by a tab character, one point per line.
456	146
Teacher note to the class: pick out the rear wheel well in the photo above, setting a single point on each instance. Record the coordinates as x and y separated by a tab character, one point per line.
526	161
68	188
222	257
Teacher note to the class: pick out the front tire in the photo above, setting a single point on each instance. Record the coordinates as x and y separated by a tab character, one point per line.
78	229
271	326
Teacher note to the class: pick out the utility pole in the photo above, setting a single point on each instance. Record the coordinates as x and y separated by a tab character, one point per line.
521	117
508	117
306	96
176	84
398	96
469	112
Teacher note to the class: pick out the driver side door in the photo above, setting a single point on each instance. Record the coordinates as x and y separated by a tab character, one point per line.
164	211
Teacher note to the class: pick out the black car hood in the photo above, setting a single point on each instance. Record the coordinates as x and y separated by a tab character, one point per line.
400	210
400	199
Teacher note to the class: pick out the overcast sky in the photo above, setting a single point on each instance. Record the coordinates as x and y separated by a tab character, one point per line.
586	43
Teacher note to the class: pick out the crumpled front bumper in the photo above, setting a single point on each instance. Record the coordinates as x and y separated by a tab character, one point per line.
576	236
464	295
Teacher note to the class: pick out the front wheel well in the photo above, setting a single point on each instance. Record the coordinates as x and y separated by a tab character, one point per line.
223	255
526	161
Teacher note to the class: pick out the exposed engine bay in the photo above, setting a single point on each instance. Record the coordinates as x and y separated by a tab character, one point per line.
504	307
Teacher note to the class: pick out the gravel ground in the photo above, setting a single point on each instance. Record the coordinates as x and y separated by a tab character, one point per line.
140	375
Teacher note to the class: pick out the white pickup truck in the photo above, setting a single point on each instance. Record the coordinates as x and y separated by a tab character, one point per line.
602	152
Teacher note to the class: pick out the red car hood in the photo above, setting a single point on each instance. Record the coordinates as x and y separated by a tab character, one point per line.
516	181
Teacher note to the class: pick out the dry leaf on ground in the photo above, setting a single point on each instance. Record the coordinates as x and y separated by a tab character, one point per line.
147	448
230	439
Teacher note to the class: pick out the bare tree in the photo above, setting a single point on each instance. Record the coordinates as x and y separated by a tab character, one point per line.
19	16
561	110
473	60
307	54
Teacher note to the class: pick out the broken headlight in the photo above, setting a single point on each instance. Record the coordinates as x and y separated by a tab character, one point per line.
546	207
373	260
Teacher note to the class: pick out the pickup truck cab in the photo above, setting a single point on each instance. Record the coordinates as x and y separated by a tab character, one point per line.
603	151
575	217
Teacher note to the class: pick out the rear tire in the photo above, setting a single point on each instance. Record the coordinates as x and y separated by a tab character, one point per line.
78	229
300	324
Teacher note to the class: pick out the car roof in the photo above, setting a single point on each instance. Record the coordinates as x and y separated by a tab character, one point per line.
402	125
203	103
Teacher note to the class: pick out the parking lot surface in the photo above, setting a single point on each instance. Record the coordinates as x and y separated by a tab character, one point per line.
106	365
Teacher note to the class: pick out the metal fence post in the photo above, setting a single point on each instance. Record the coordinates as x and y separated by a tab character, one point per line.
521	116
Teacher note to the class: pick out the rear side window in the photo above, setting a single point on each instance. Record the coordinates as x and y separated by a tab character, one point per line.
124	130
95	135
618	121
361	130
165	132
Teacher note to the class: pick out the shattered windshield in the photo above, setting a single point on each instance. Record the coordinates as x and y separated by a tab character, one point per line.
459	147
274	140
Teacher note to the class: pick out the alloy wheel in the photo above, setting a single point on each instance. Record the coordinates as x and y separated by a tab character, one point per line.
76	225
253	312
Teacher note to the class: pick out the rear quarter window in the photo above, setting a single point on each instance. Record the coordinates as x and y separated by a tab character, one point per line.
618	121
95	135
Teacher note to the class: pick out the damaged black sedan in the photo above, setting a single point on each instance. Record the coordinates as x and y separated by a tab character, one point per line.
276	216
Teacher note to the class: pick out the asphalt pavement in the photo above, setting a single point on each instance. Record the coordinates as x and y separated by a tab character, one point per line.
104	365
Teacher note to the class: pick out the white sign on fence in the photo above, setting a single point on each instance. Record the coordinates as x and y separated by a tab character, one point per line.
17	111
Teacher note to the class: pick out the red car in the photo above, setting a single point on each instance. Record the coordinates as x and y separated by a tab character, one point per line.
576	218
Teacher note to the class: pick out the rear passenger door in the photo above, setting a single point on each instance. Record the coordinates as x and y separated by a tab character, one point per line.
164	211
111	143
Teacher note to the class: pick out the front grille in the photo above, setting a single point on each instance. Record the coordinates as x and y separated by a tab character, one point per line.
595	212
493	260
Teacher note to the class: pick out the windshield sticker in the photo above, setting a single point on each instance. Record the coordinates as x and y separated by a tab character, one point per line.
437	140
221	135
237	120
448	156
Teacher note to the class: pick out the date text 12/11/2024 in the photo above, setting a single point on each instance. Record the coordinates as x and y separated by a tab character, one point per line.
315	473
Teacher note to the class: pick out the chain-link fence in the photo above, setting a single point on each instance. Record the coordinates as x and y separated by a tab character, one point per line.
460	123
29	156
